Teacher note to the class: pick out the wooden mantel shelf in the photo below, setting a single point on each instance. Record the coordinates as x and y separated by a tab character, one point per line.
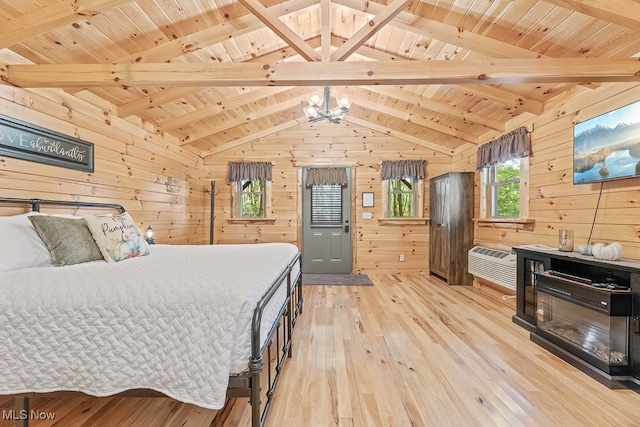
403	221
518	224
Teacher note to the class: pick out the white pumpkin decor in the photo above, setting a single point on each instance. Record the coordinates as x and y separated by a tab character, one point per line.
585	249
608	252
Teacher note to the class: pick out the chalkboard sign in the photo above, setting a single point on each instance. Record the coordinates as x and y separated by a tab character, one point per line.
30	142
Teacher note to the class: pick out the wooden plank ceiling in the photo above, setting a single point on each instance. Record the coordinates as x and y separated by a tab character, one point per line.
218	73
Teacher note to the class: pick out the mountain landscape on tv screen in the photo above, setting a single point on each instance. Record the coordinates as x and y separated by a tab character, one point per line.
599	136
604	152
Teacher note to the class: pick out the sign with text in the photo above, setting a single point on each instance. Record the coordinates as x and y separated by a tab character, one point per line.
30	142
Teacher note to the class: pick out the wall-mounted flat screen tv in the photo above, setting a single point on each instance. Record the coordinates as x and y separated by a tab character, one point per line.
607	147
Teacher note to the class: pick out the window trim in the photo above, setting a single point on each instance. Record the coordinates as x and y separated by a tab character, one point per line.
485	200
418	211
236	199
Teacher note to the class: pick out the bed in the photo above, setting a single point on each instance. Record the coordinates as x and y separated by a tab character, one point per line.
190	322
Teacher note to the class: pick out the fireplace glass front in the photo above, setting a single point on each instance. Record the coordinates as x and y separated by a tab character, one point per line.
596	337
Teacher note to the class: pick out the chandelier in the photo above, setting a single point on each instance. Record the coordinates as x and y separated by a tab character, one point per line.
318	108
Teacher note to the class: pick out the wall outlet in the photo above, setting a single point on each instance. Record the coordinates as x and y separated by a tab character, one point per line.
401	257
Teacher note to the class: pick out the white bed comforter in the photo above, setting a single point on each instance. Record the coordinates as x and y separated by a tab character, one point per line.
177	321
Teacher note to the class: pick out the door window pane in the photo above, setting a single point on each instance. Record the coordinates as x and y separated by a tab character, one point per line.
326	205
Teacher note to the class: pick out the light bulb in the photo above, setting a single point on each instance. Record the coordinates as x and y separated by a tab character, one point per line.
338	113
310	111
315	99
344	101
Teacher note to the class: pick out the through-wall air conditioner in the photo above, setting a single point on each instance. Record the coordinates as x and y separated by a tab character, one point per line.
495	265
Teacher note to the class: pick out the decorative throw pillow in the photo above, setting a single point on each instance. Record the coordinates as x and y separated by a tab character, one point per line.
117	236
20	245
69	240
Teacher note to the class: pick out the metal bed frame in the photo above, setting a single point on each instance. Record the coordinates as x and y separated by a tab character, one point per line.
246	384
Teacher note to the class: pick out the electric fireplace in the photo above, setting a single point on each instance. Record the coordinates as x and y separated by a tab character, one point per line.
588	320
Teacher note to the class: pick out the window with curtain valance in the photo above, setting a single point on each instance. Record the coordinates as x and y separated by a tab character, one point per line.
516	143
504	163
250	189
326	176
402	188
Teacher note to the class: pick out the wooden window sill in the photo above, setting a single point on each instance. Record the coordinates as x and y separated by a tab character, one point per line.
251	220
403	221
518	224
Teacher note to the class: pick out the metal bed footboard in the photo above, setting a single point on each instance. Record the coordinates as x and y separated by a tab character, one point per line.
249	383
244	385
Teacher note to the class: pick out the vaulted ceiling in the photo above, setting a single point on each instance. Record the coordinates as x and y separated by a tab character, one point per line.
215	74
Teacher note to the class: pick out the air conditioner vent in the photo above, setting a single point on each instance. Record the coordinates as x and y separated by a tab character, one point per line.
494	265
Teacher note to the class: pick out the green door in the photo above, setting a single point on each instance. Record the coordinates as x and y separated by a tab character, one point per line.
326	225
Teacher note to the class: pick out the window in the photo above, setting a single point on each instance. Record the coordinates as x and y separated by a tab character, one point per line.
503	191
250	190
402	188
252	197
401	197
326	204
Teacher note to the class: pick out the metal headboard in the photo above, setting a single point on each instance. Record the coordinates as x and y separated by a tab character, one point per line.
36	203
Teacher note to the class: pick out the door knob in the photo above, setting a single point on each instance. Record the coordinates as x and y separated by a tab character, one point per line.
346	228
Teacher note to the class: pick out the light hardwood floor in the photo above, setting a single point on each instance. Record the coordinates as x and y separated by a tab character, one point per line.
409	351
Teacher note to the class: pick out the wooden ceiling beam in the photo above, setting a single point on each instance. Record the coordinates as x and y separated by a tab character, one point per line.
196	41
168	95
446	131
50	17
171	94
325	29
429	104
622	12
446	33
243	119
151	101
222	106
397	134
369	29
281	29
371	52
253	137
512	100
212	35
347	73
437	106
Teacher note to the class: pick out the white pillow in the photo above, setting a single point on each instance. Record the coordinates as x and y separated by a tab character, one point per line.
20	245
117	236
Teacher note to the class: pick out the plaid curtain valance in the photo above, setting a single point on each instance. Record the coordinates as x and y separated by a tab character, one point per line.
398	169
326	176
516	143
249	171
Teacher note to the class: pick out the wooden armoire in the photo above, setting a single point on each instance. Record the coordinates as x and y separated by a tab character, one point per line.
451	226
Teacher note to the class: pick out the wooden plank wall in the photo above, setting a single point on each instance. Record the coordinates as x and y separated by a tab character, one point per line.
555	203
132	165
376	247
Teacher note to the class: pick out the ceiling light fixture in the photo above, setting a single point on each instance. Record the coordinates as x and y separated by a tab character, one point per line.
318	108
